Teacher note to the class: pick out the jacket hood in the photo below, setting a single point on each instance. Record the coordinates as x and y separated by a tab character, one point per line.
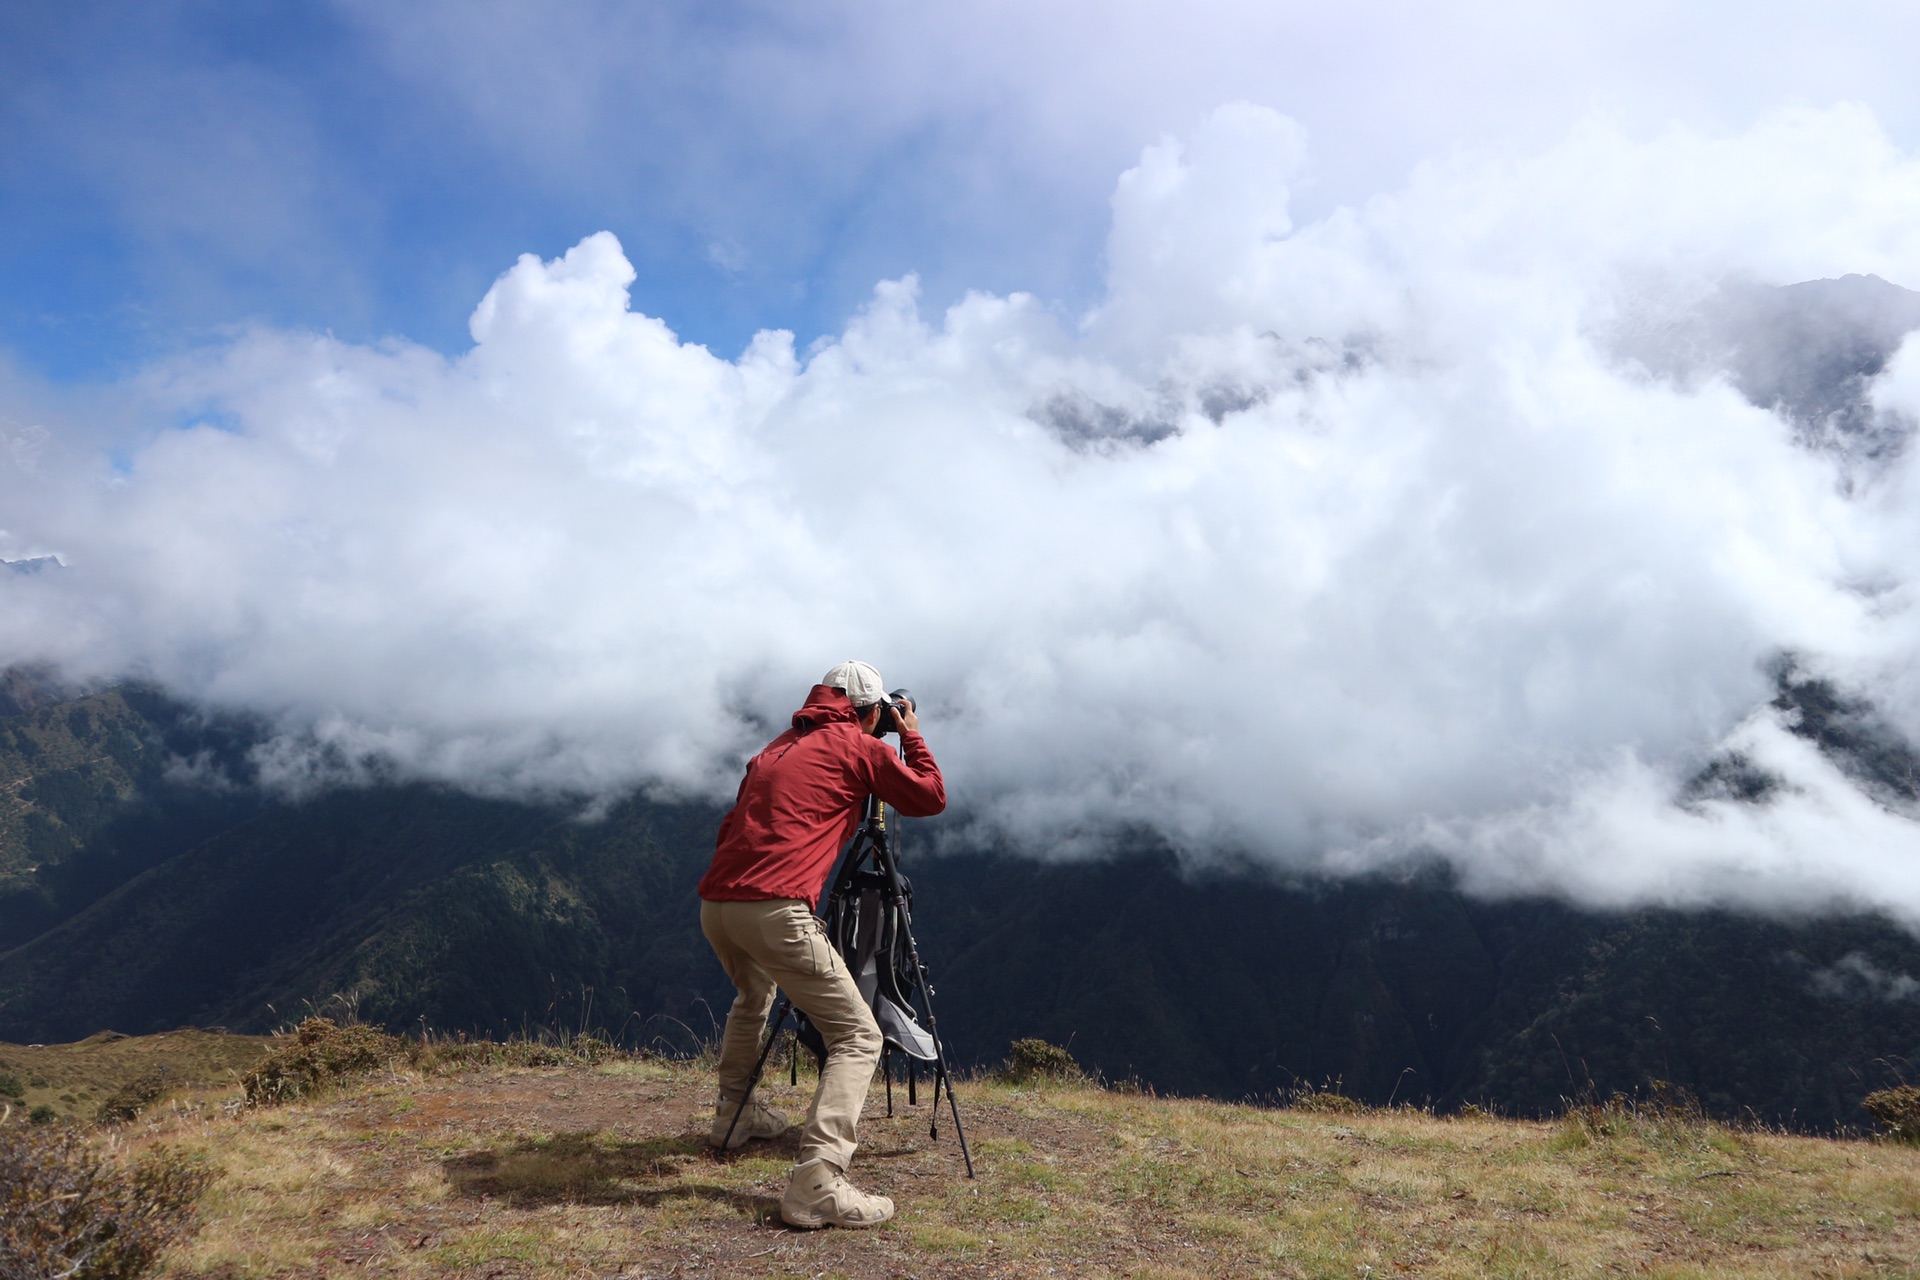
825	705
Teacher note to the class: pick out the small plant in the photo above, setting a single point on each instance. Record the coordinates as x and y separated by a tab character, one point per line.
10	1086
318	1053
1898	1109
1034	1059
65	1211
42	1114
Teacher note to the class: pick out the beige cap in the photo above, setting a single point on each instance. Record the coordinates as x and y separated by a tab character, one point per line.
862	683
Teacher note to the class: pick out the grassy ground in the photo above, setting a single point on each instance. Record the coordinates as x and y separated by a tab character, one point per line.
71	1080
601	1170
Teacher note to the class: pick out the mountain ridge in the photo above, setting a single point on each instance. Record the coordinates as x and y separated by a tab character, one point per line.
424	907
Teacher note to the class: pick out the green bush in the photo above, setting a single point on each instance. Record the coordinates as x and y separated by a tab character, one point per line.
1034	1059
65	1211
10	1086
43	1114
1898	1109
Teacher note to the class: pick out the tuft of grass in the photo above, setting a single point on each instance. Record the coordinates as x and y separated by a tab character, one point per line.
1668	1121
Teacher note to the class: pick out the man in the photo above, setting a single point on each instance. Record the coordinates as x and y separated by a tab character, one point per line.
799	804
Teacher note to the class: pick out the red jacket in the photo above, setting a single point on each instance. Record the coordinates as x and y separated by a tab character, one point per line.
801	802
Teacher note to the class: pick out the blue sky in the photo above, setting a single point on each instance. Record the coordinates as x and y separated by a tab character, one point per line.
174	167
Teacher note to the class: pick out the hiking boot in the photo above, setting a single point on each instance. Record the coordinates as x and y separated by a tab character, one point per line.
757	1121
819	1195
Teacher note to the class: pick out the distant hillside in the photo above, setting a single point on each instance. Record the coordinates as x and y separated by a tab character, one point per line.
141	898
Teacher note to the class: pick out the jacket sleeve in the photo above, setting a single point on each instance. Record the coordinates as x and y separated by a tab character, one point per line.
912	785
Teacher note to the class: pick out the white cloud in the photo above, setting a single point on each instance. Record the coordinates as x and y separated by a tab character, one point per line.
1320	543
1855	976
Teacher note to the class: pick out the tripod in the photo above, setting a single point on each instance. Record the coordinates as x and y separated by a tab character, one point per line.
847	922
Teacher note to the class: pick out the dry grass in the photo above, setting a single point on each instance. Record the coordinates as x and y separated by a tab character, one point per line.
505	1170
490	1161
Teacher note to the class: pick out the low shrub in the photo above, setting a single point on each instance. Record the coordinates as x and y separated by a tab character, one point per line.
133	1097
1898	1109
1326	1102
318	1053
10	1086
1034	1059
67	1211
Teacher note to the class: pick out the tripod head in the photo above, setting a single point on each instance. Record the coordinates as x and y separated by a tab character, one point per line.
877	841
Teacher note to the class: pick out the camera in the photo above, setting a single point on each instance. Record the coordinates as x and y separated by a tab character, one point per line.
895	702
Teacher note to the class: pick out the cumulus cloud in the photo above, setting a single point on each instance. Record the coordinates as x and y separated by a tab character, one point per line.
1388	534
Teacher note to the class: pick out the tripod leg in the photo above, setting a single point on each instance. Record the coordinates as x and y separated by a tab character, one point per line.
940	1073
941	1076
886	1069
759	1066
959	1130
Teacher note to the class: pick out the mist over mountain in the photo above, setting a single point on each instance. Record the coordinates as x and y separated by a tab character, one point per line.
1809	352
1473	522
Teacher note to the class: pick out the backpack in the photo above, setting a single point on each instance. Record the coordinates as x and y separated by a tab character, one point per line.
871	936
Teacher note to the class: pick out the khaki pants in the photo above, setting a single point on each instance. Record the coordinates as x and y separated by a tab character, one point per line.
762	945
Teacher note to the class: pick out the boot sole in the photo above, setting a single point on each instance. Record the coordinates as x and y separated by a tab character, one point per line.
816	1224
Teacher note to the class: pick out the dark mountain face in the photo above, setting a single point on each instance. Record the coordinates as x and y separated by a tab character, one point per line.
158	901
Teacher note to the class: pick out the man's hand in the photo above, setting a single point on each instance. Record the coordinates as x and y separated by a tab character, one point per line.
906	717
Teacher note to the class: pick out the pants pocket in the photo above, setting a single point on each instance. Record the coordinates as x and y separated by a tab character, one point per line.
805	944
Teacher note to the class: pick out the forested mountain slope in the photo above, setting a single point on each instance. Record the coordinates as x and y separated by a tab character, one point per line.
141	896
